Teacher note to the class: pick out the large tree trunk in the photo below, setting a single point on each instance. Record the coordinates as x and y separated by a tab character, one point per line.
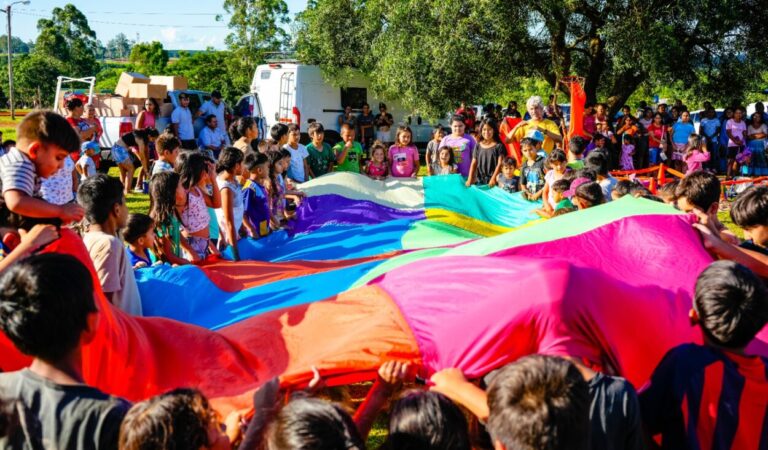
596	67
624	86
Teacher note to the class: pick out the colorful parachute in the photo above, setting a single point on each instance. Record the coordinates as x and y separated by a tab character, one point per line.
424	270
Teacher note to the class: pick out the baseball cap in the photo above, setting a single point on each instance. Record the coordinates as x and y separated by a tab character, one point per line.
536	135
575	184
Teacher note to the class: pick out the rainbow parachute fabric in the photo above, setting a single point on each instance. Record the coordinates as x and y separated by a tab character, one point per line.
424	270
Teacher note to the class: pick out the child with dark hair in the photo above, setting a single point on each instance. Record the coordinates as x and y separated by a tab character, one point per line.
348	152
576	148
667	192
750	212
196	174
139	235
299	170
230	215
426	420
256	195
48	312
403	156
446	164
244	131
558	167
105	208
320	153
539	402
622	188
461	144
279	133
432	155
714	395
309	423
699	190
45	140
598	163
585	193
179	419
532	173
507	179
487	157
167	146
168	202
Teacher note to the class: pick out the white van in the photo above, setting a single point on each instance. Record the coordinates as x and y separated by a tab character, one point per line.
291	92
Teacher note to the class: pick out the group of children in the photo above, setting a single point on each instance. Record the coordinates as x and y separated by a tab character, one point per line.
198	205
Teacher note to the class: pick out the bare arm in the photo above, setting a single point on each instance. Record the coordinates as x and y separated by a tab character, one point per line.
24	205
453	384
472	172
227	204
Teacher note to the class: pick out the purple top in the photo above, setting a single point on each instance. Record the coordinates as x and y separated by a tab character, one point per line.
463	147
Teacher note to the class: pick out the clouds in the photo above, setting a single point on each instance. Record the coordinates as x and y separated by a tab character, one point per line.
178	38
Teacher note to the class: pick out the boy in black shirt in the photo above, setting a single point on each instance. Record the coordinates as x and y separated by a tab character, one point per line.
47	310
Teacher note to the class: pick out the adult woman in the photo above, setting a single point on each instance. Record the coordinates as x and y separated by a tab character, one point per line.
589	121
75	111
148	116
681	131
136	142
512	111
757	132
537	122
657	133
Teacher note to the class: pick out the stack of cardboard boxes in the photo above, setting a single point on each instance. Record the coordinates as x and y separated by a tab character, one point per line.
132	90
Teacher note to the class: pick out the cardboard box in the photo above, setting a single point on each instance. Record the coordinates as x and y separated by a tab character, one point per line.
126	80
172	83
135	109
109	106
143	90
166	109
134	101
125	112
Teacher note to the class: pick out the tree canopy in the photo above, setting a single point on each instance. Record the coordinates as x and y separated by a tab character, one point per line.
432	53
67	38
149	58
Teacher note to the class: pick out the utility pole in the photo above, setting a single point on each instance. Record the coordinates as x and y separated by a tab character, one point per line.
7	12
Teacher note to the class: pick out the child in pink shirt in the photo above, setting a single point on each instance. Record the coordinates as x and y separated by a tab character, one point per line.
695	155
403	155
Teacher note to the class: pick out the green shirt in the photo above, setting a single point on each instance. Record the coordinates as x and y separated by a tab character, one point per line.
576	165
172	231
352	161
319	160
564	203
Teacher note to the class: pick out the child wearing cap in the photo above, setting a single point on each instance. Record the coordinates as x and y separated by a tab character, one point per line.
86	167
532	173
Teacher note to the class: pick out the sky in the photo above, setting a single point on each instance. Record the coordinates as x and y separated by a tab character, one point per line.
177	24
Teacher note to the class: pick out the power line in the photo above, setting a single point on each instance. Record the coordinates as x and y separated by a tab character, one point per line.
134	13
103	22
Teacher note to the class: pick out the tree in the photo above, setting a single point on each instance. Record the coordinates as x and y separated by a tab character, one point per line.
17	45
208	71
256	31
35	78
119	47
67	38
434	53
149	58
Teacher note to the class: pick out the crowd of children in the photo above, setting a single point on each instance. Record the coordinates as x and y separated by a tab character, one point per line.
200	206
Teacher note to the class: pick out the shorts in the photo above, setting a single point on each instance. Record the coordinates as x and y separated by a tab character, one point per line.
678	152
732	152
200	246
120	154
653	155
384	136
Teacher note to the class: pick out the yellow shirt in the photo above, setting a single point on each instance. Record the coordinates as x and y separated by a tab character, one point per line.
546	124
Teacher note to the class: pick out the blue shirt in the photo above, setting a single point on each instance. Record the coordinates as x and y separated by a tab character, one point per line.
213	138
700	397
209	108
296	169
709	126
183	117
681	131
256	201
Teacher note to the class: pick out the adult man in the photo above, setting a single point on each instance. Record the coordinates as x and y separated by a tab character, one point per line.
212	139
216	107
183	128
347	117
383	122
548	128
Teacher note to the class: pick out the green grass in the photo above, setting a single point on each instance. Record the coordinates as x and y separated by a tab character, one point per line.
725	219
137	203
